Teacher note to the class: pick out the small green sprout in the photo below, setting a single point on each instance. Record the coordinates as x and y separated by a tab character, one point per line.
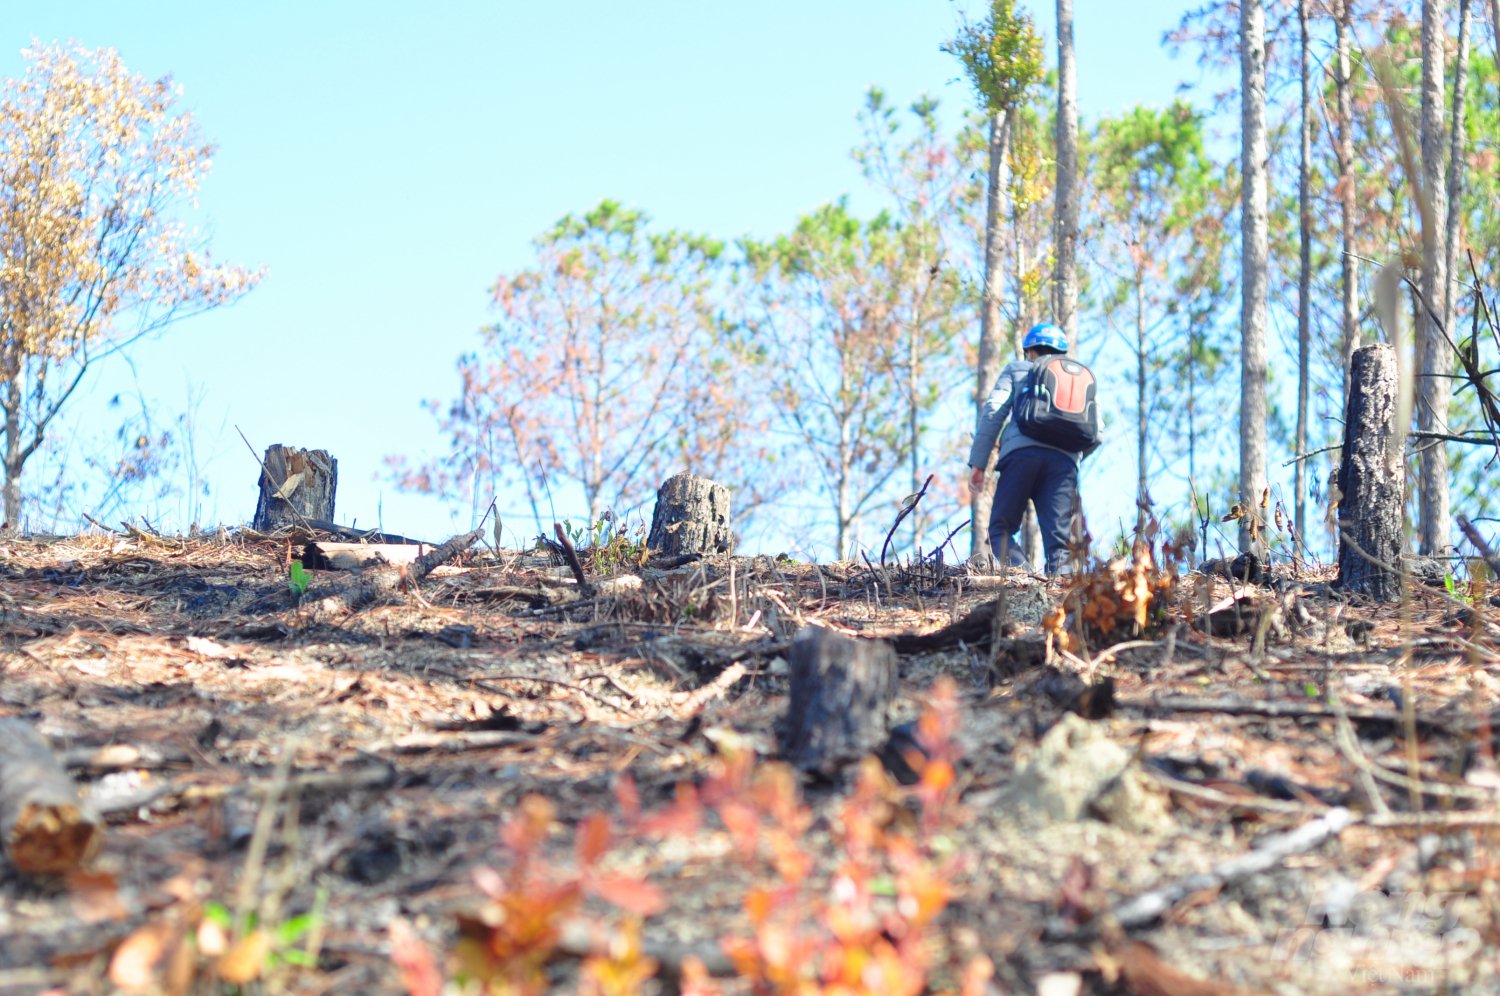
298	579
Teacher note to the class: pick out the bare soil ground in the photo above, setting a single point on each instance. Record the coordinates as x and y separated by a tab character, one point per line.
252	754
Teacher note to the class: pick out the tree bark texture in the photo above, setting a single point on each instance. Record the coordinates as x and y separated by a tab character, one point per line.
44	826
1457	166
1349	280
1253	257
1371	478
1067	177
295	486
1304	276
691	517
14	461
1436	363
991	335
840	690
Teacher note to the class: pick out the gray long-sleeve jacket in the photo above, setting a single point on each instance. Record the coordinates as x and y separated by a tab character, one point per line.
996	413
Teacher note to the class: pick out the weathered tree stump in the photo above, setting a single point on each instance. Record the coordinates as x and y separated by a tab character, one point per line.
295	486
691	517
1371	479
44	827
840	690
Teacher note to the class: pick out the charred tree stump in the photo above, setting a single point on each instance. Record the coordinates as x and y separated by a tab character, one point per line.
691	517
840	690
1371	479
45	828
295	486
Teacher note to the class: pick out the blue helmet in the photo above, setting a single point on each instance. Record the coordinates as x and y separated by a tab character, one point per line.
1046	335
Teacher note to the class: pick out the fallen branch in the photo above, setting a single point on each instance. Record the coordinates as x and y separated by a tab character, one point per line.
421	743
485	684
689	704
314	784
1473	536
1269	709
1150	907
1218	798
363	535
974	629
1432	821
378	585
45	828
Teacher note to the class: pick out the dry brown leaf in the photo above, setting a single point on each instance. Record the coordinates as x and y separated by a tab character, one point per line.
245	959
134	965
1146	973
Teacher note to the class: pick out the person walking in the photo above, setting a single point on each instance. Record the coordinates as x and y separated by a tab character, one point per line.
1033	398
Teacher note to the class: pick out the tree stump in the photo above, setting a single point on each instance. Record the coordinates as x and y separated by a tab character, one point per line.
44	826
841	688
691	517
1371	479
295	486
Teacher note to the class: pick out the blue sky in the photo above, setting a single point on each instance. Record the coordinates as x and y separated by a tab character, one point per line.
387	161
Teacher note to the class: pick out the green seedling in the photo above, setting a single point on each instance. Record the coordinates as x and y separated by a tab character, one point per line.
298	580
293	941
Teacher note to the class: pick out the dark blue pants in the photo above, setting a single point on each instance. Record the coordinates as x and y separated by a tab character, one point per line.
1049	479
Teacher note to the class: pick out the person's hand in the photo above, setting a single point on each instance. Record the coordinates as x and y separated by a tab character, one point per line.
976	478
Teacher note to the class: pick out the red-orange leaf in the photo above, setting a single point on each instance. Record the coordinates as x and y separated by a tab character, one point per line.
632	894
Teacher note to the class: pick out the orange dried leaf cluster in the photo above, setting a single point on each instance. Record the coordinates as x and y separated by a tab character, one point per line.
866	930
1125	597
506	945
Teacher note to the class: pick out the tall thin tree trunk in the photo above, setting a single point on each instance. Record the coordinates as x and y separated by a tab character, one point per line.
1140	399
13	458
1192	419
1026	317
1304	282
914	421
1350	275
1253	256
1457	166
841	499
992	345
1436	357
1066	221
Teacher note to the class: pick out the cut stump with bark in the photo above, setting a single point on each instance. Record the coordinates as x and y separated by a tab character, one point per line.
841	688
691	517
45	828
295	486
1371	479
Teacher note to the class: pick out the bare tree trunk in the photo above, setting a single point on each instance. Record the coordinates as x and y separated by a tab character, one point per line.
295	485
1350	276
1253	256
1026	316
1436	357
1371	478
46	828
1192	425
13	465
1140	400
692	516
1304	280
840	691
914	423
1066	220
991	340
841	499
1457	165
